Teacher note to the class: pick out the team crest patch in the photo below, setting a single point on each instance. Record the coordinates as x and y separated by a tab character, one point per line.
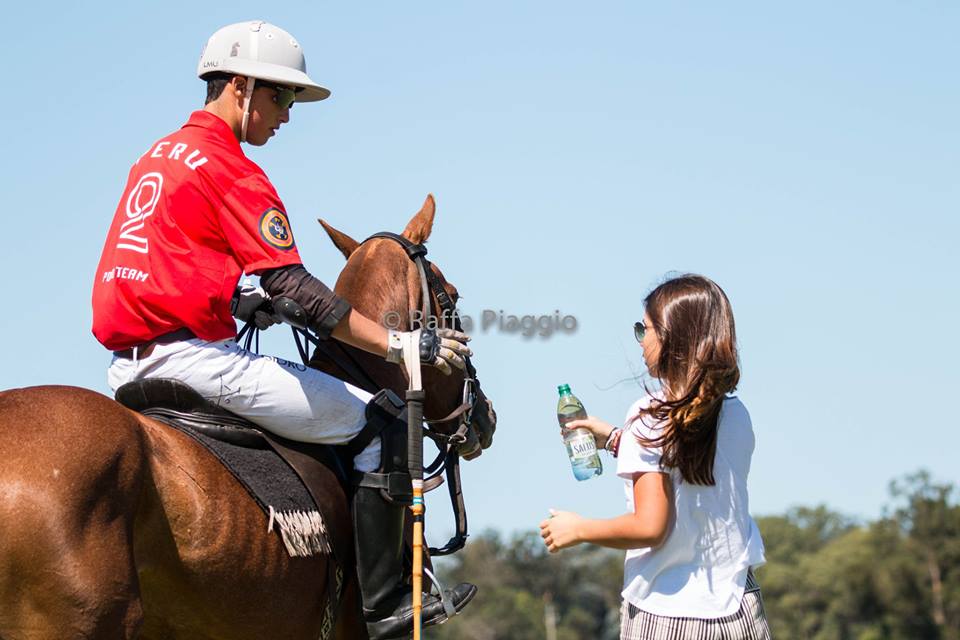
275	230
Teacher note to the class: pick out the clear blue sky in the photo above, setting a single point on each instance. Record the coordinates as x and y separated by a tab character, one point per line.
805	157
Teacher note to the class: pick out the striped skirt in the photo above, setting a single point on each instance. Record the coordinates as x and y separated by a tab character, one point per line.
749	623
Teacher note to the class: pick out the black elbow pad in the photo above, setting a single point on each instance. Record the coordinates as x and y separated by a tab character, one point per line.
324	308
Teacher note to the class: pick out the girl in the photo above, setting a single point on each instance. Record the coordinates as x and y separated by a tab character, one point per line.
684	454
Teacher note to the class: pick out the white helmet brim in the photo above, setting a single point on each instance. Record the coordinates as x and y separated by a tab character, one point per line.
309	91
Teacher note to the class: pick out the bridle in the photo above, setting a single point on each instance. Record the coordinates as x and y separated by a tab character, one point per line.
447	461
431	288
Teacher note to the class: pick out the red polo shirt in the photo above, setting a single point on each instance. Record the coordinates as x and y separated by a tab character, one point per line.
196	213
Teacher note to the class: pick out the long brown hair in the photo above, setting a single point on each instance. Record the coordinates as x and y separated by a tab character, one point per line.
697	365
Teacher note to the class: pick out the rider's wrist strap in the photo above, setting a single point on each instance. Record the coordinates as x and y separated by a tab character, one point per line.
394	346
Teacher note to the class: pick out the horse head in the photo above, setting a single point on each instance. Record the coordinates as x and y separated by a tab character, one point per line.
382	282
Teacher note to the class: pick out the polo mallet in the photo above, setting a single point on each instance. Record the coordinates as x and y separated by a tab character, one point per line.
415	396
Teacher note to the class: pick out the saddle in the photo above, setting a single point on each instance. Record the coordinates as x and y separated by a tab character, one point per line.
302	487
171	400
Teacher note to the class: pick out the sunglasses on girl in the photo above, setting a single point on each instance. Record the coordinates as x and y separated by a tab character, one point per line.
638	330
284	96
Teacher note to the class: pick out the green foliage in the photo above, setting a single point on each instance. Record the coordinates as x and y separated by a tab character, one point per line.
827	577
518	579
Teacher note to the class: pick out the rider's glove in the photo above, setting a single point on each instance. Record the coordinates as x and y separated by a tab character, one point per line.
249	303
438	348
441	348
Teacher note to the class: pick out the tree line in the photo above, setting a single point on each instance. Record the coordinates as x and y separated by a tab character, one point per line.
827	577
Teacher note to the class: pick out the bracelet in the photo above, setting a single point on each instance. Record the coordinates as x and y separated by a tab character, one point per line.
613	442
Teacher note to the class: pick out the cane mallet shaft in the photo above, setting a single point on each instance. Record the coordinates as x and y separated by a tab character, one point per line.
415	463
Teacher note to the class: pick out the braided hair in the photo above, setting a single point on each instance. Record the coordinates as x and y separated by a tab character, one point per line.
698	366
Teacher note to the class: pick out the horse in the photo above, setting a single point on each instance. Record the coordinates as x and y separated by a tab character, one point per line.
114	525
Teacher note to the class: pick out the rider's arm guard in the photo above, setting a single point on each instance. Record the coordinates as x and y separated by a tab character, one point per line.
324	308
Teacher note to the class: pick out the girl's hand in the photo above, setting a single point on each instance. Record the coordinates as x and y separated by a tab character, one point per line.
560	530
601	430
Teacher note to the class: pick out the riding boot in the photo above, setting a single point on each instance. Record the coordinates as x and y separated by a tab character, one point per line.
387	600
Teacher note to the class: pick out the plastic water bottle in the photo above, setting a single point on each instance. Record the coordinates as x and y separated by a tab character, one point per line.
581	447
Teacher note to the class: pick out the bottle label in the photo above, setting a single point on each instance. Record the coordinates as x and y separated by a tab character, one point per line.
582	446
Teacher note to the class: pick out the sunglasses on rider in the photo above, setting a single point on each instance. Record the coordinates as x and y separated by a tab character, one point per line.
284	97
639	330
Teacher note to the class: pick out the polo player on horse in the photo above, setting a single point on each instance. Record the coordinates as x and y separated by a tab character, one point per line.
196	213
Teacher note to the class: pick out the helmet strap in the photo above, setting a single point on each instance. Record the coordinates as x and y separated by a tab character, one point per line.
248	93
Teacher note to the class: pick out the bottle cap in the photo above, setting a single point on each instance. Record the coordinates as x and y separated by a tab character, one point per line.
564	389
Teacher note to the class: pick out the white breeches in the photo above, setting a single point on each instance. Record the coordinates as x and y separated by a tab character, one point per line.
286	398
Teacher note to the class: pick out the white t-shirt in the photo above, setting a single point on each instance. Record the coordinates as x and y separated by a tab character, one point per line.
701	569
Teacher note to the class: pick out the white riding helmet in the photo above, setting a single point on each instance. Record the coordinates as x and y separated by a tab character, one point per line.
261	51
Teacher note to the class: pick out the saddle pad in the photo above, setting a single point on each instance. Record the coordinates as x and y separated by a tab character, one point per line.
270	481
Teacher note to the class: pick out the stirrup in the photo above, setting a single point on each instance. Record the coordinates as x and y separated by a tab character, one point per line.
448	609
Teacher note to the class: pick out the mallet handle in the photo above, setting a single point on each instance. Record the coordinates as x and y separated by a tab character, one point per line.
415	462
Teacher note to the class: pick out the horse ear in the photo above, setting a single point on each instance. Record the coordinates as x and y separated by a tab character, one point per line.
420	225
345	243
